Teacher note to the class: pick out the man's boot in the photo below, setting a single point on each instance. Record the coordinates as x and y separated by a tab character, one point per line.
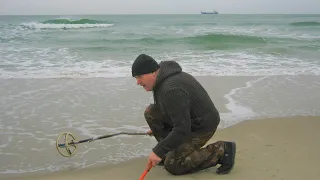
227	161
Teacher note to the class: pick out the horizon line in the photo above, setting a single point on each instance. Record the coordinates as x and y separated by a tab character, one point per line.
160	14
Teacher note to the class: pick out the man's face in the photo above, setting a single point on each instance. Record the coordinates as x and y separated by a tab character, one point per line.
147	80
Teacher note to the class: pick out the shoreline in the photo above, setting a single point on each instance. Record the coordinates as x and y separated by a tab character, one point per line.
277	148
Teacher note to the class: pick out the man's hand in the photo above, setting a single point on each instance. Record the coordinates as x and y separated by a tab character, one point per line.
149	132
153	160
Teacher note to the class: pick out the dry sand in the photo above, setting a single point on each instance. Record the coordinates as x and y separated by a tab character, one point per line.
277	149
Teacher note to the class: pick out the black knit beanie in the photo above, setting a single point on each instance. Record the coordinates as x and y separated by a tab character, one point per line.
144	64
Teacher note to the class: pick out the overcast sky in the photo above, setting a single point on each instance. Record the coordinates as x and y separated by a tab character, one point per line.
63	7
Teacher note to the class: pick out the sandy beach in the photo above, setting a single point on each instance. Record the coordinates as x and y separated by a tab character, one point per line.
278	149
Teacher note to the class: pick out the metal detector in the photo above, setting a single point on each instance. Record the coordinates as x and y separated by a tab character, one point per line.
67	145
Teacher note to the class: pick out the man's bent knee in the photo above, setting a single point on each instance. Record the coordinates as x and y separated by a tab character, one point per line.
175	167
175	170
148	113
152	112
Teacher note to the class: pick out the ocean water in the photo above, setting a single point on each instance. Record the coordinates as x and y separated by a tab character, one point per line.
105	46
72	73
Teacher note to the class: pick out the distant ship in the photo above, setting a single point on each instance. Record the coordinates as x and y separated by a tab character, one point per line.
213	12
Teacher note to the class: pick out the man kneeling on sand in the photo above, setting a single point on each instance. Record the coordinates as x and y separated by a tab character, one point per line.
182	119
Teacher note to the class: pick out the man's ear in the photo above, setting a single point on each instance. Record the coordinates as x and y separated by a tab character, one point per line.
154	74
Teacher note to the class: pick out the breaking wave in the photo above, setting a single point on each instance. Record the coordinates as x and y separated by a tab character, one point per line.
67	24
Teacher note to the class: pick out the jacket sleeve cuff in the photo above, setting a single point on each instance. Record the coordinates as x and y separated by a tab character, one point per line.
159	151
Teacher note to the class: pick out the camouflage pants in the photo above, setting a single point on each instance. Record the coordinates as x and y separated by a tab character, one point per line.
189	157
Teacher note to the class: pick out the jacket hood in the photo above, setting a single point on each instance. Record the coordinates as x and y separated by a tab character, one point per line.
167	69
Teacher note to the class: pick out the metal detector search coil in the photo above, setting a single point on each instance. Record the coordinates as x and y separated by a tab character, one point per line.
66	143
68	147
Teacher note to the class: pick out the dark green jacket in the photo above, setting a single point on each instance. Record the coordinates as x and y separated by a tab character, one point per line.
185	105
